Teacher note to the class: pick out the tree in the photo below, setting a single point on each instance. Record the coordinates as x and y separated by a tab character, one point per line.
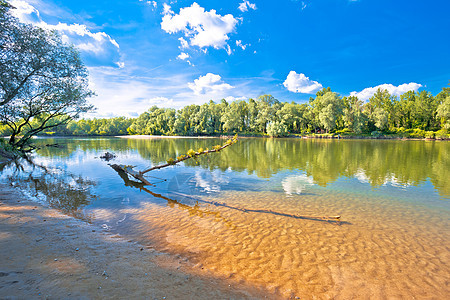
354	117
327	107
443	110
276	129
42	80
380	109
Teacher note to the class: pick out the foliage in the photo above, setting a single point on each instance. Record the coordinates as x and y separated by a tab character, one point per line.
43	82
277	129
383	114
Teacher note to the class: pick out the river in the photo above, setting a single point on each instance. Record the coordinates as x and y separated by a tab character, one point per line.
253	213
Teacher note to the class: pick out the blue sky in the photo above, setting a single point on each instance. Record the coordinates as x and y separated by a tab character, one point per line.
175	53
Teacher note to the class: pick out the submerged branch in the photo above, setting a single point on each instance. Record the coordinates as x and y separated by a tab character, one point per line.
139	175
141	186
191	154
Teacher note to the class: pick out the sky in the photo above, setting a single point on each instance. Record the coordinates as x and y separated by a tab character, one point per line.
175	53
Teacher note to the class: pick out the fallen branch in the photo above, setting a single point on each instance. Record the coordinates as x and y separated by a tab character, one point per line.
139	175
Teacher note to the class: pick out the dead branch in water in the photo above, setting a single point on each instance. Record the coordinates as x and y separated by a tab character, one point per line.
139	175
141	186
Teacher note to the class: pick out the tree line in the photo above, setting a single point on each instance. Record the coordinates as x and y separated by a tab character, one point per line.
44	90
415	114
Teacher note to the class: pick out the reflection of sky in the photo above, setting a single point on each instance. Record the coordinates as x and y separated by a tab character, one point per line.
195	182
387	180
296	184
210	181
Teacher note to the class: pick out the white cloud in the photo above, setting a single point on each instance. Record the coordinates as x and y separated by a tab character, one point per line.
366	93
183	56
184	43
160	101
98	45
239	44
210	83
202	28
232	98
246	5
167	9
299	83
132	95
151	3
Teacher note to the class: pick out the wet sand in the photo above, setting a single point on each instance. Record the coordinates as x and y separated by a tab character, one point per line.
47	255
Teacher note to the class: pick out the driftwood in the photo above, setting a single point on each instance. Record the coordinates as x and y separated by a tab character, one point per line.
139	175
108	156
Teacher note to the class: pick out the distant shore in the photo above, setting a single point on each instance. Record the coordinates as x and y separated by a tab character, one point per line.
347	137
46	254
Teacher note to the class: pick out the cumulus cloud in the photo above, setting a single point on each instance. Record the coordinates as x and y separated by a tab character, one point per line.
246	5
202	28
183	56
167	9
183	43
366	93
299	83
210	83
98	45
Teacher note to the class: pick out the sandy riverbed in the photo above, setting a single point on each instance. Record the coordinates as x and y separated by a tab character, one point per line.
47	255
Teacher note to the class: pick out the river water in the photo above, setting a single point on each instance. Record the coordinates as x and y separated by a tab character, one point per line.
253	213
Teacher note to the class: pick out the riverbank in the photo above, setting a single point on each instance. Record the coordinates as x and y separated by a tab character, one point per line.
312	136
48	255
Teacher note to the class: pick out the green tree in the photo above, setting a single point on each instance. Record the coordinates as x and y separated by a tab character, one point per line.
380	109
43	82
267	106
353	115
276	129
327	108
443	110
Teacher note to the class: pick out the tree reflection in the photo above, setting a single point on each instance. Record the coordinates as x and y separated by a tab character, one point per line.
377	161
65	192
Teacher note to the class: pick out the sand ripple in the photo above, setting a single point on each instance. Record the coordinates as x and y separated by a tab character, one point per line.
388	250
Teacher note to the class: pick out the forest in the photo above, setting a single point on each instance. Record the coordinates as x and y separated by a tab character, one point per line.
413	114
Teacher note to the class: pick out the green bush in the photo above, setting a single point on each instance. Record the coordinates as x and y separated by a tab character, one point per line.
376	133
416	133
344	131
442	134
429	134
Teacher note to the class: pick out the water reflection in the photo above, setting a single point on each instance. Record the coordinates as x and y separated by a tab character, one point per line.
243	213
193	209
57	188
405	163
296	184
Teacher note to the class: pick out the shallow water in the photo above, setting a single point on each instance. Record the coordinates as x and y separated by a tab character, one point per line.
249	213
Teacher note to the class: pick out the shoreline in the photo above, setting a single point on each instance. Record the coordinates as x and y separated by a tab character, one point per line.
46	254
334	137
